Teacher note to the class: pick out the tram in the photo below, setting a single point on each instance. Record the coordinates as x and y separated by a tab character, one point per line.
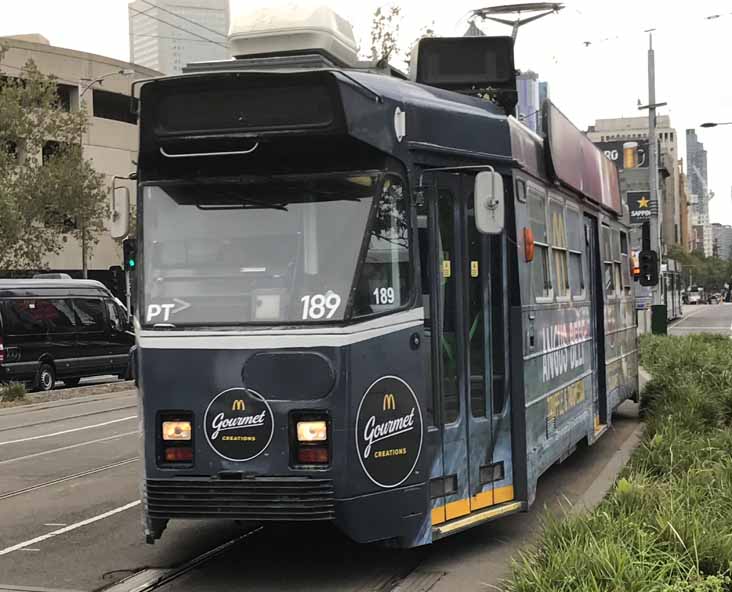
379	302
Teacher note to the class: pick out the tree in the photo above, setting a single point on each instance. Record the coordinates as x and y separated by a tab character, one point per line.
385	35
385	31
48	190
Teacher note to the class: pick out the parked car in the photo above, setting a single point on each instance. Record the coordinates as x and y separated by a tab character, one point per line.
61	330
715	298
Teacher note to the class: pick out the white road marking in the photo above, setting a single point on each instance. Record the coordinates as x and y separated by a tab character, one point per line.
90	427
70	447
685	318
66	478
33	550
69	528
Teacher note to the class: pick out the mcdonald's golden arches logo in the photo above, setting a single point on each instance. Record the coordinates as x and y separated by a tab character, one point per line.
389	402
238	405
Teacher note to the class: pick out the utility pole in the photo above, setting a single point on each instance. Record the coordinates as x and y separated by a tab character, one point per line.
655	229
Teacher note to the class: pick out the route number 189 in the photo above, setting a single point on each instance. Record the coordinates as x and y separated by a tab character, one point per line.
317	306
384	296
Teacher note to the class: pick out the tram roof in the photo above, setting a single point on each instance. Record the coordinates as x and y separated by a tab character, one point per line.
469	129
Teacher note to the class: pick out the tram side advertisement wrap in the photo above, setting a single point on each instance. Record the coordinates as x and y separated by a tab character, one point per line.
389	431
238	424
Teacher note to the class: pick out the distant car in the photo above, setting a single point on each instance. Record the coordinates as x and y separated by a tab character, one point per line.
61	329
714	298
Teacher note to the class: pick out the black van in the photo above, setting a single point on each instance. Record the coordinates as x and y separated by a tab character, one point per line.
61	329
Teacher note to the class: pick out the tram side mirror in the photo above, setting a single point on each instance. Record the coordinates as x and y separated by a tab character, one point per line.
489	203
648	263
120	223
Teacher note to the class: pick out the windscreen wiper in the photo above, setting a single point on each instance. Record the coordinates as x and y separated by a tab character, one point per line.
244	202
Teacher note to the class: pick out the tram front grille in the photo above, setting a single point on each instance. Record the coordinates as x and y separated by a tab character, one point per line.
249	499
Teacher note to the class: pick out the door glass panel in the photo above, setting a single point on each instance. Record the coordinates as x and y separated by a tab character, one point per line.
448	285
476	329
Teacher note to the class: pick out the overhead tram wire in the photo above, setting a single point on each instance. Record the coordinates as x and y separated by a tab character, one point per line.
183	18
177	27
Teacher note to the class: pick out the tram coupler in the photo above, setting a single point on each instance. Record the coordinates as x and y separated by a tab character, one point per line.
154	528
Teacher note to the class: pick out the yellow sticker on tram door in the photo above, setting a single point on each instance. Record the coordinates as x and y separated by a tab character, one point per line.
446	268
474	269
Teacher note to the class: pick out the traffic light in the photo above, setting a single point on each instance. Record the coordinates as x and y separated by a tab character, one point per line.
129	253
648	263
117	281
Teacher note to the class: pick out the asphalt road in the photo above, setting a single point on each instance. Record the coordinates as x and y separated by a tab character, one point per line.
704	318
70	518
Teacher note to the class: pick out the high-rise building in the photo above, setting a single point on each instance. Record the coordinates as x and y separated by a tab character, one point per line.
696	171
167	35
722	241
529	105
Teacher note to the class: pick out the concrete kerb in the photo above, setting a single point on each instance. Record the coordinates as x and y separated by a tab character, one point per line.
607	477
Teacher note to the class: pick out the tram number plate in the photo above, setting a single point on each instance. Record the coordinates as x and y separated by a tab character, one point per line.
318	306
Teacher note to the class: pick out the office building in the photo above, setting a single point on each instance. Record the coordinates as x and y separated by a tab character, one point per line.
722	241
611	134
529	105
110	141
167	35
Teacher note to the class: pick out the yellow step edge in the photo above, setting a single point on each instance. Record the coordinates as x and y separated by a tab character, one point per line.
462	507
478	517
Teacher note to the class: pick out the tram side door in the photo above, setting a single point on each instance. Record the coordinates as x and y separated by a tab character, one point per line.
461	345
597	321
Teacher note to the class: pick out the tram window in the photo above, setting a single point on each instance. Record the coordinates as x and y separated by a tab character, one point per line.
559	249
541	280
576	268
386	282
627	285
617	263
607	262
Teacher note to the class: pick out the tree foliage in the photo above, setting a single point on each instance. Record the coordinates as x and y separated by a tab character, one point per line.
48	190
710	272
385	36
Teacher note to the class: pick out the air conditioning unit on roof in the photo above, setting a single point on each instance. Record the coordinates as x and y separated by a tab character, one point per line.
293	29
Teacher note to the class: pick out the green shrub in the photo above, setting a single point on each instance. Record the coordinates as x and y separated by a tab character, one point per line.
14	391
667	524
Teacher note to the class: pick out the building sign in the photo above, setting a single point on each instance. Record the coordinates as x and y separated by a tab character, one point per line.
626	154
641	207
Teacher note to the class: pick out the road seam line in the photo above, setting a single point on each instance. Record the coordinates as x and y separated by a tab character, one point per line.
86	473
69	447
61	433
68	418
69	528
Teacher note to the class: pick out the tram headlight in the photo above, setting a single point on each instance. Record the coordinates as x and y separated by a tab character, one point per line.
312	431
176	430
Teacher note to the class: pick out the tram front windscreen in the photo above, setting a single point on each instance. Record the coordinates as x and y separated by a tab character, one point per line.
274	250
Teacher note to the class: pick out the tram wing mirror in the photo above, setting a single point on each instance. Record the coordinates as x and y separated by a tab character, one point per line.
120	224
489	203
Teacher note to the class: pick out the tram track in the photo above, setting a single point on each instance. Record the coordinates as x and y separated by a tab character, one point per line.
67	418
154	579
79	475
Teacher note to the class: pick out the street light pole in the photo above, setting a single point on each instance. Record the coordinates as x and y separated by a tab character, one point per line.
82	221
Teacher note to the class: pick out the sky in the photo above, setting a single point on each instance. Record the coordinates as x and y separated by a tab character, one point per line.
593	54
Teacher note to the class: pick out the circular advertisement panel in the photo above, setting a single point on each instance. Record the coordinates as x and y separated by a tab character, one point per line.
389	431
238	424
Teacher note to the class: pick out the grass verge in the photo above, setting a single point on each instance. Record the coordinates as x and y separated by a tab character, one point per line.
666	526
13	392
